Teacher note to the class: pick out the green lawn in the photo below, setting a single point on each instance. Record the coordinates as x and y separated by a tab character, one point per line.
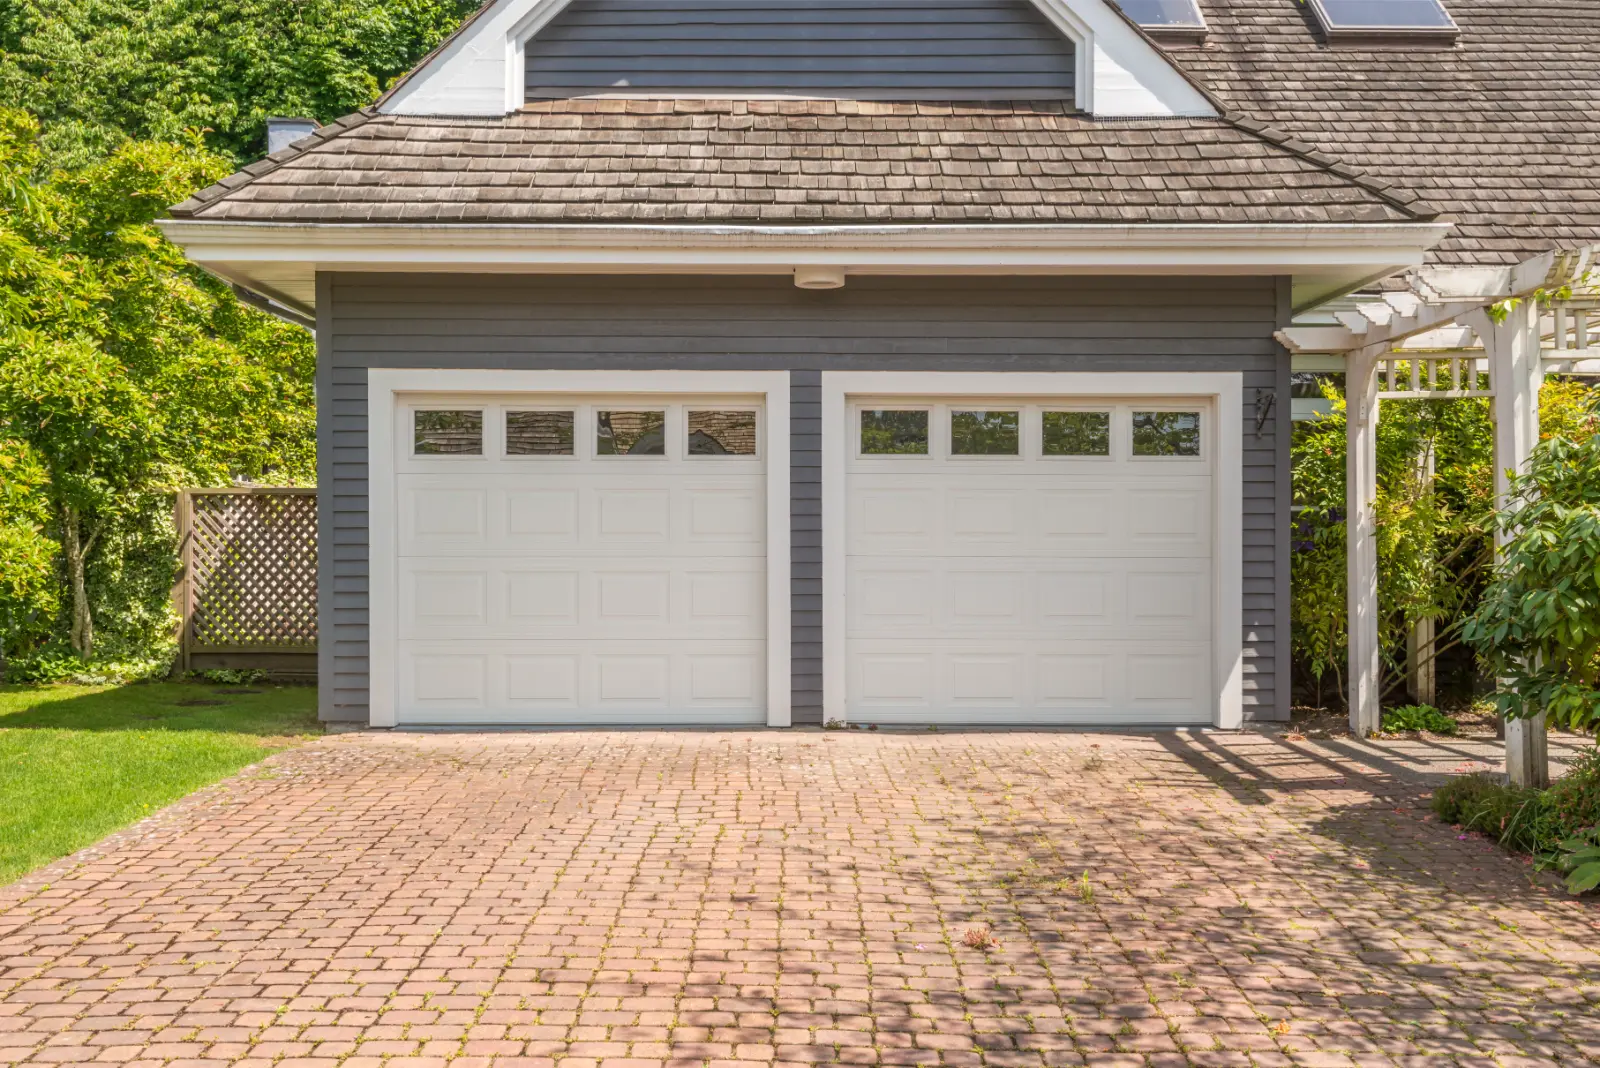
78	762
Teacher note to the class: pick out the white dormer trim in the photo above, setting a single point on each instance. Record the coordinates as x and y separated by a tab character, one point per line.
1120	73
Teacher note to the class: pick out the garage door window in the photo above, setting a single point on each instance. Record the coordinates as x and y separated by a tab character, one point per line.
894	432
721	433
454	432
1077	433
1166	434
985	433
539	433
631	433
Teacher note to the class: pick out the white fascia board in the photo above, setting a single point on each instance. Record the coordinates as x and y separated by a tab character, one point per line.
1119	72
1234	248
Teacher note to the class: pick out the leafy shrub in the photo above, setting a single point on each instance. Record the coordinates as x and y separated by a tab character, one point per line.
1455	799
57	663
1418	718
227	677
1579	858
1574	799
1518	818
1538	625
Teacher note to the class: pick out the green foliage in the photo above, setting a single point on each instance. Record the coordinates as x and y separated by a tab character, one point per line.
228	677
1435	546
125	372
1579	858
102	72
1432	544
1418	718
1531	821
1538	625
1516	817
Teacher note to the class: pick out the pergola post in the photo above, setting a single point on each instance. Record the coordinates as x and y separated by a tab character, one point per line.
1516	373
1361	532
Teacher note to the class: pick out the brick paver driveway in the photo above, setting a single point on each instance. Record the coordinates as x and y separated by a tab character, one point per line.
798	897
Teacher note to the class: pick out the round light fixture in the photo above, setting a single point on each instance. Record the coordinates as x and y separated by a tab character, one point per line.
819	277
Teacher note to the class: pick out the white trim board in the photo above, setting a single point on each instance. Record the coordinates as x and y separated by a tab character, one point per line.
1224	390
1119	72
385	387
282	259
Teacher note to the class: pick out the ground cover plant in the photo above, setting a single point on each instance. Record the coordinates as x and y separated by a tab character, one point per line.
1418	718
79	762
1553	825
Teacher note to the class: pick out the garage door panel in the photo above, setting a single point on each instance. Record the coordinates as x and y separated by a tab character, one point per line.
541	518
598	599
505	514
442	516
988	517
1170	519
1028	599
1043	515
992	682
882	596
569	682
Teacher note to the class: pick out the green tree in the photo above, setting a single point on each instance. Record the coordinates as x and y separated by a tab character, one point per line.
124	370
1538	625
101	72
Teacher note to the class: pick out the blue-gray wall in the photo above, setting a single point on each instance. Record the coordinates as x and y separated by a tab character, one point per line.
887	49
765	323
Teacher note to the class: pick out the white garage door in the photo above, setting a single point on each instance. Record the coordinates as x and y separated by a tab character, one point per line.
1029	562
581	560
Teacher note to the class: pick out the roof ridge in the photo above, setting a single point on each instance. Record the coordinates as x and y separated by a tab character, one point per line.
202	198
1400	199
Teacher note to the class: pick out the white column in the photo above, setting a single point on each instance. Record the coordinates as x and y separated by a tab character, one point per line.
1361	531
1516	373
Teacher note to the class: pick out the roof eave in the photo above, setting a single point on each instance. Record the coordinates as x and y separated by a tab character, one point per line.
281	260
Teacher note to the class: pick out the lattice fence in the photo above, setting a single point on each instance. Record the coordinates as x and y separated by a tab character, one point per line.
248	591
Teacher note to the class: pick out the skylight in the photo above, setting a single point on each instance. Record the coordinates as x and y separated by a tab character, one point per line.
1380	19
1177	20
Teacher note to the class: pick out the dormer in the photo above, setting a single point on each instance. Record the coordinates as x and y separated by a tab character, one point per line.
1084	52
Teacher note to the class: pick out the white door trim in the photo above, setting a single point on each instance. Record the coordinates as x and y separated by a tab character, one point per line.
1226	392
383	386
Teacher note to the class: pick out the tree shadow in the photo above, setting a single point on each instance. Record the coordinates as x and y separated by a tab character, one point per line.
266	710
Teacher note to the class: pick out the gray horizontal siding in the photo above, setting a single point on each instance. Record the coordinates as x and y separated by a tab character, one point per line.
963	49
1154	325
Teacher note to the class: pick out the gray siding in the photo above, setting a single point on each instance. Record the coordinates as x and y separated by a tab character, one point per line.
952	49
765	323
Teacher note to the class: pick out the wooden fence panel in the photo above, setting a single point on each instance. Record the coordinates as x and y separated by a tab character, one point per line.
247	593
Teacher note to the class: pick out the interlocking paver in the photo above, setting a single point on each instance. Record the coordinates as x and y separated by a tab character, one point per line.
774	899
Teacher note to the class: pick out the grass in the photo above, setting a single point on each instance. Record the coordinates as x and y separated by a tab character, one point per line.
78	762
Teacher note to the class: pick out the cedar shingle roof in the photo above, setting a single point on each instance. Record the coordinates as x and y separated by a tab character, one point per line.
799	162
1501	133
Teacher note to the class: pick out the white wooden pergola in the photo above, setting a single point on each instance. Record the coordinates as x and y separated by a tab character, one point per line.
1439	340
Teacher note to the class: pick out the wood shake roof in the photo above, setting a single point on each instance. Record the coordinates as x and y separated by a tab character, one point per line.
1500	132
776	162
